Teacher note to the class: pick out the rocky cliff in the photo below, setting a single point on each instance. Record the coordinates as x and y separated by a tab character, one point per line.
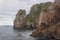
24	21
49	22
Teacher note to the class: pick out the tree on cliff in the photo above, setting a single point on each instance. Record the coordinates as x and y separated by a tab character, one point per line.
21	12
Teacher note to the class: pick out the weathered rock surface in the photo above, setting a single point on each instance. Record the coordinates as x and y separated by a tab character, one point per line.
49	22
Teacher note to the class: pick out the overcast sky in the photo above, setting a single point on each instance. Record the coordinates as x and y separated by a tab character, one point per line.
9	8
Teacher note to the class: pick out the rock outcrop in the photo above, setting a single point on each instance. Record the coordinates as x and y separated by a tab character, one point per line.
19	21
49	22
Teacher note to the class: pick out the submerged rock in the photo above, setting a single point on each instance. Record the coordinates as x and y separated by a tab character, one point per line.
49	22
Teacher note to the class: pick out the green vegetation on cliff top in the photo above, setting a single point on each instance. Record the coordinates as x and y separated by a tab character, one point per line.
36	10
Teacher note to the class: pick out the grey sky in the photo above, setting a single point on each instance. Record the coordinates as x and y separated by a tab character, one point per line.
9	8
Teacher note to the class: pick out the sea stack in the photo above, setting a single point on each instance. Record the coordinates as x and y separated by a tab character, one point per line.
19	21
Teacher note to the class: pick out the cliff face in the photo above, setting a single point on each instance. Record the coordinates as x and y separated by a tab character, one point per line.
49	22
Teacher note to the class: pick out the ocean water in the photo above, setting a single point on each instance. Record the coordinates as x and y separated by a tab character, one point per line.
8	33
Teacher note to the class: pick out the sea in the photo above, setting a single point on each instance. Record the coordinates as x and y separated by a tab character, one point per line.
8	33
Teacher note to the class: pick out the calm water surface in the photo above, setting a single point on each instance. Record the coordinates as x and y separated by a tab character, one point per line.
8	33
